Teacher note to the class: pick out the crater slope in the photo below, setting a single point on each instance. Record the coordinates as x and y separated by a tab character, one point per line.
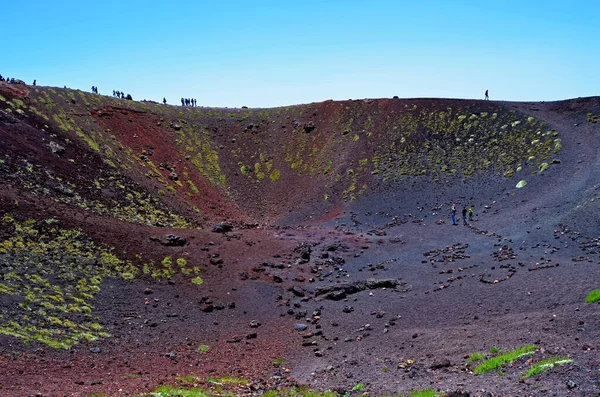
145	244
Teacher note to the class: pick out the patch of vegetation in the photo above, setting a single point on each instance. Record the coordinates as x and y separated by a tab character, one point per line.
358	387
299	391
476	357
591	118
193	187
131	205
443	143
188	379
166	269
227	380
53	275
173	391
503	359
206	157
202	348
423	393
547	364
593	296
275	175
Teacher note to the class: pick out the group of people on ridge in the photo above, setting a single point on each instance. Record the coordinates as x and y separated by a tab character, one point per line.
13	80
119	94
188	102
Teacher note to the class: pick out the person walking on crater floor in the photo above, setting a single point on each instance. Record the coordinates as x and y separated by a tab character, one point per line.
464	215
471	214
487	96
453	215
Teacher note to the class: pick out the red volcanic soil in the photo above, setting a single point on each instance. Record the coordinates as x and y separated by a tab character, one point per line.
381	290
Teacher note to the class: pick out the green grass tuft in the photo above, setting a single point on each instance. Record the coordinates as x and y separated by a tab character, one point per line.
227	380
593	296
546	365
188	379
358	387
423	393
171	391
476	357
203	348
506	358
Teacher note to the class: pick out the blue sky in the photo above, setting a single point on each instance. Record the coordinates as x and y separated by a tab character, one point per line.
272	53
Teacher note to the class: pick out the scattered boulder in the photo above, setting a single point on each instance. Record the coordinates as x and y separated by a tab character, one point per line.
223	227
216	261
298	291
254	324
170	240
308	127
441	364
458	393
304	250
173	240
56	148
337	295
300	327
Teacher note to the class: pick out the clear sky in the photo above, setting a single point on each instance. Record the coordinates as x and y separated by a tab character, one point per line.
272	53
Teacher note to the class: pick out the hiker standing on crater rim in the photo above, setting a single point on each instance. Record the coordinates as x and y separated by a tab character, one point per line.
487	97
453	215
464	215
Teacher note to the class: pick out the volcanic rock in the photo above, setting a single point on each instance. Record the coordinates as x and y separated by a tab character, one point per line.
222	227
